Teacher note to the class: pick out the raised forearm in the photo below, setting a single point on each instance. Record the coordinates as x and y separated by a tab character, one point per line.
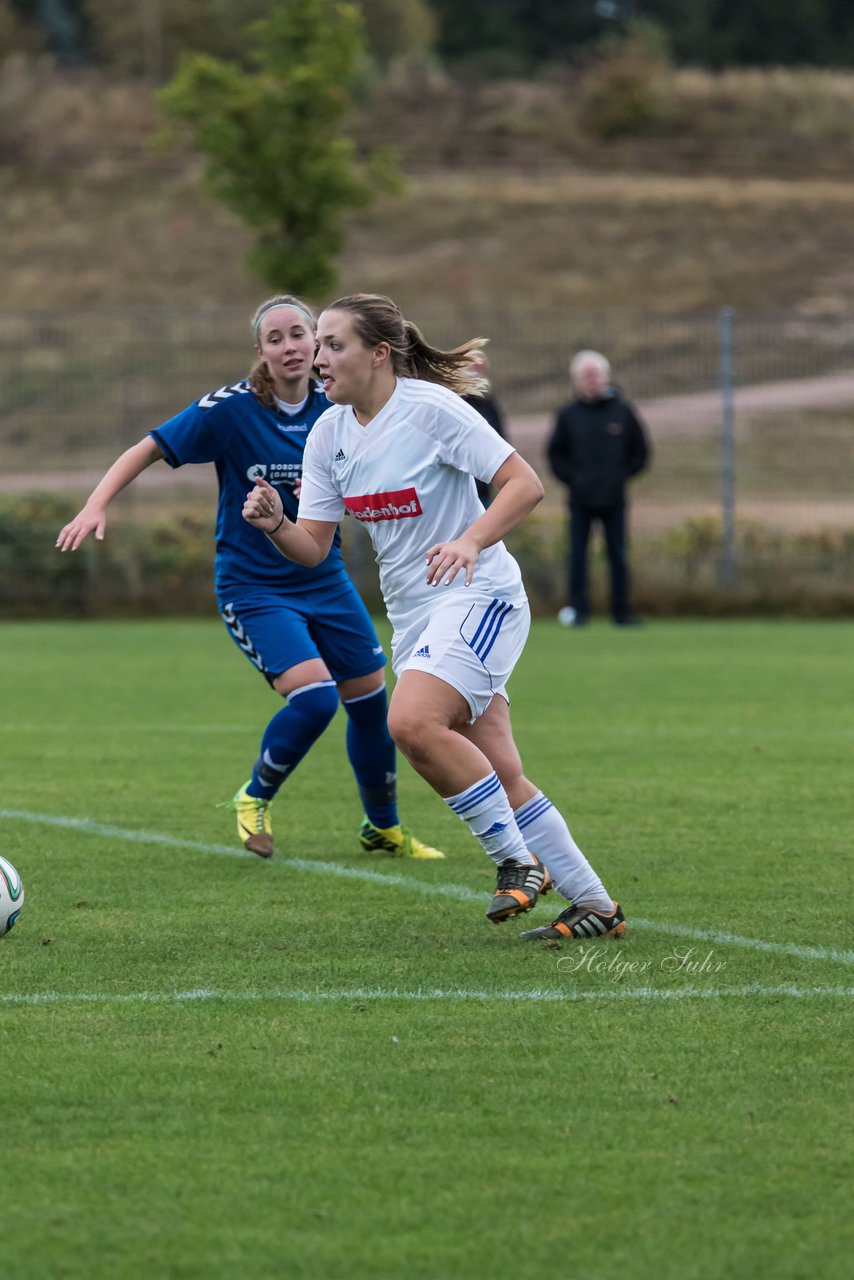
519	491
125	469
299	543
93	516
514	502
306	542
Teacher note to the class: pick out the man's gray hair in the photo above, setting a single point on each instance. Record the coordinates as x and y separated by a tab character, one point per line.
589	357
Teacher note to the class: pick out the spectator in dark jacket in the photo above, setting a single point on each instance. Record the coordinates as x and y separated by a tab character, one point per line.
598	444
489	408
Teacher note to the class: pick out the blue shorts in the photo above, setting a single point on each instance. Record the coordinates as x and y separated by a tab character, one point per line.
278	630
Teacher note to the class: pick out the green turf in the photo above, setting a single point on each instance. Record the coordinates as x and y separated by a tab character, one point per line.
249	1071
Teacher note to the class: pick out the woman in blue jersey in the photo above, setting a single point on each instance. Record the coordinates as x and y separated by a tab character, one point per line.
306	630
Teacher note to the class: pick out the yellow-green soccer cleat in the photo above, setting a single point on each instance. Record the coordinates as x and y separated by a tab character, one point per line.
398	842
254	828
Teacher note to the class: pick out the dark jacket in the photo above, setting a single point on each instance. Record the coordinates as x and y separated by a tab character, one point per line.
596	447
488	408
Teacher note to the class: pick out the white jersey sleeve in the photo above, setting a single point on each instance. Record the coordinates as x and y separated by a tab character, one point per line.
320	498
465	439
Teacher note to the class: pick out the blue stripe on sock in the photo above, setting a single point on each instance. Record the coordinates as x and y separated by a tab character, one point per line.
465	806
530	805
534	809
480	791
489	783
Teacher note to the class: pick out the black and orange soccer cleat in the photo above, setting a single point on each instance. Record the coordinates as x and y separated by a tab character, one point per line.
581	922
518	889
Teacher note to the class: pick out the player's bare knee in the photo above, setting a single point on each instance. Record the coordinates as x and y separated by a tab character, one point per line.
413	735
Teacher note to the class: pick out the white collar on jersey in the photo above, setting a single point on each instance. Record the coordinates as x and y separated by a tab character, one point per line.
291	409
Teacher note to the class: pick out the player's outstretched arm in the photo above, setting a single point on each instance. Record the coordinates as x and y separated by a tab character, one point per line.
306	542
519	490
94	515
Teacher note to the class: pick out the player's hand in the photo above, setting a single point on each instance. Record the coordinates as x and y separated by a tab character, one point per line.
263	507
446	559
81	526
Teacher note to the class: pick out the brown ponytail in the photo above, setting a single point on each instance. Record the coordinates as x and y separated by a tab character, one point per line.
377	319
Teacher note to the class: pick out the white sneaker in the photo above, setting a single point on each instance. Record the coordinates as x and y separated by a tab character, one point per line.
566	616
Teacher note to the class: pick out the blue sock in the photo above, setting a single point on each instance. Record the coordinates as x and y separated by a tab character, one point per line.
290	734
373	756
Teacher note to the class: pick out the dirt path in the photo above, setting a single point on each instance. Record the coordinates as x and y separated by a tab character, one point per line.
683	417
671	417
693	416
654	516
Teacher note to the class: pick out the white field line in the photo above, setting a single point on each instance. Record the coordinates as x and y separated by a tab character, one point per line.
549	996
458	892
88	827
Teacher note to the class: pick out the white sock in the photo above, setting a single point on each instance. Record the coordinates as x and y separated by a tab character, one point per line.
545	831
485	809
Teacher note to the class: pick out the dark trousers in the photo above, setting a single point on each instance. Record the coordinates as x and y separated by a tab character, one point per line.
614	527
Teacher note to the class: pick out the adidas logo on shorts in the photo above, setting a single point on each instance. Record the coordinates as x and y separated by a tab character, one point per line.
422	653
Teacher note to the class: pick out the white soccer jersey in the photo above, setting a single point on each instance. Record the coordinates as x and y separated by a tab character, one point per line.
408	478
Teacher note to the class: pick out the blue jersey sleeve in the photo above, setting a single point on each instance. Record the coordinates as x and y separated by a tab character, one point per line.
196	434
245	439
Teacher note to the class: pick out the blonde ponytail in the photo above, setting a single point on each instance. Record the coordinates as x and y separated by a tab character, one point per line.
377	319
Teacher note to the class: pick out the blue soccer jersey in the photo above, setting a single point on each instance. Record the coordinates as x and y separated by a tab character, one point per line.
245	439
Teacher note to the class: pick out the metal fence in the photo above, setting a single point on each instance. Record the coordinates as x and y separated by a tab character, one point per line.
751	416
115	368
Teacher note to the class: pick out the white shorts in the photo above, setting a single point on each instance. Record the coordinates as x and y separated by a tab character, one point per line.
473	645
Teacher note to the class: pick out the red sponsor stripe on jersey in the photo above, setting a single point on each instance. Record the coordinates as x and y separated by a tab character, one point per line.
402	504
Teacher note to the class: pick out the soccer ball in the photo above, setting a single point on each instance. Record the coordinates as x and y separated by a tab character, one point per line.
11	896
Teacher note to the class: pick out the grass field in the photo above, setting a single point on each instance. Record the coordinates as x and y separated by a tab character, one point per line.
333	1066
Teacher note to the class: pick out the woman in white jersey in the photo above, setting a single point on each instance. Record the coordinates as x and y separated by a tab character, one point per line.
400	450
